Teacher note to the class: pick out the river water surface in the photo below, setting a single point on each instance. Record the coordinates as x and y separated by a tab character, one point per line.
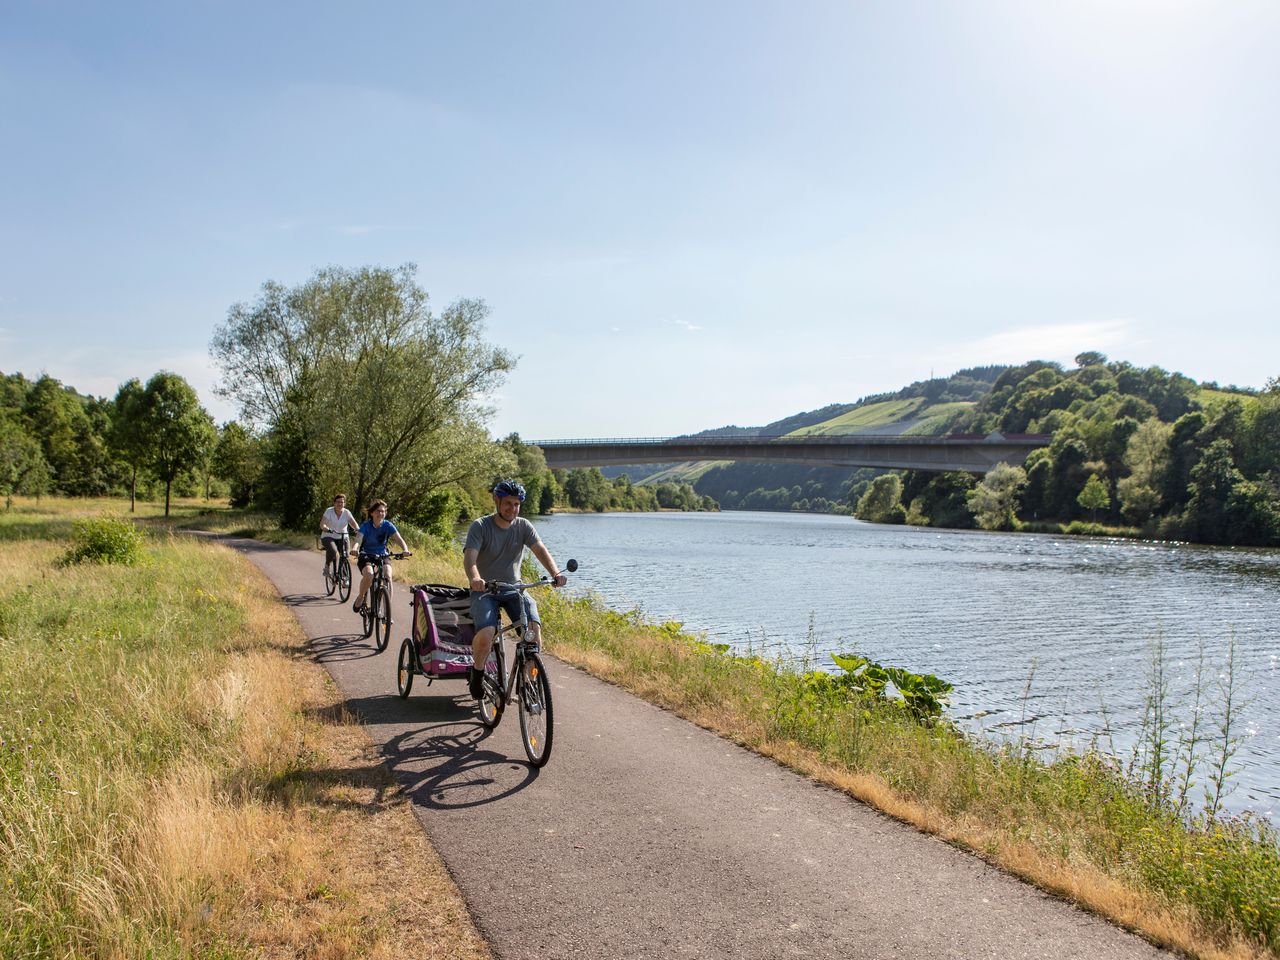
1044	636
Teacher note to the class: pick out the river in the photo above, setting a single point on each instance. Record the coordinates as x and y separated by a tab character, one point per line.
1044	636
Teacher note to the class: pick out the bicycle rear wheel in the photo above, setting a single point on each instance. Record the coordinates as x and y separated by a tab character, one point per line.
382	620
366	615
407	667
535	709
330	579
344	580
493	702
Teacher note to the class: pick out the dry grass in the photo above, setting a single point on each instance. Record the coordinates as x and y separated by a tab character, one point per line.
178	778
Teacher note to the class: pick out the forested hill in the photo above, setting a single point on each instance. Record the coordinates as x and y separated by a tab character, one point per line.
1135	446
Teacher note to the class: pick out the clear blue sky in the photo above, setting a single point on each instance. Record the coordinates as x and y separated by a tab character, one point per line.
682	215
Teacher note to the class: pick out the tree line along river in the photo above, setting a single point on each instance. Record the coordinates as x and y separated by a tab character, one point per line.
1046	637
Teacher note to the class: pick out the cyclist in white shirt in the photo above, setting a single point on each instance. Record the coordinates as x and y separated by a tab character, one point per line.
333	525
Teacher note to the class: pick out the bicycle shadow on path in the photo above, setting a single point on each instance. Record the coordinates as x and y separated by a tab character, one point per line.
446	762
338	647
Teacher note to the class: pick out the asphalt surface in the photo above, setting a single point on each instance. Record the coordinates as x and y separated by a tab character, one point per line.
646	836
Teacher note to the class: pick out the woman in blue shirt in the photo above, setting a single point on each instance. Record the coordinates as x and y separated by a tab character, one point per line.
374	534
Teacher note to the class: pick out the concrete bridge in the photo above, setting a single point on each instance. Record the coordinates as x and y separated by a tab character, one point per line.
971	453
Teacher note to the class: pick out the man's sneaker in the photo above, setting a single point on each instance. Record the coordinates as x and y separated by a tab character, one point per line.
475	683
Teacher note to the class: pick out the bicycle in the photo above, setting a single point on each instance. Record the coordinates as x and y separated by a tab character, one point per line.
527	682
375	615
340	578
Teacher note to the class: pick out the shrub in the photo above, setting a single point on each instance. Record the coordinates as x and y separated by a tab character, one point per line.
105	540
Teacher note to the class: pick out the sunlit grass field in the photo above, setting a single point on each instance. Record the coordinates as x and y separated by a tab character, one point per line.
178	778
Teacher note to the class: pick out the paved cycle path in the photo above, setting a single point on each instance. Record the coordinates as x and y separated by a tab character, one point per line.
646	836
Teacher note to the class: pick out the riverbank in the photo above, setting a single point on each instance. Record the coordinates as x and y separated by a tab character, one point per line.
1075	826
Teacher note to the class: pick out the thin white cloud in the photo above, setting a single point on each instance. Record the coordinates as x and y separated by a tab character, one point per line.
691	327
1060	342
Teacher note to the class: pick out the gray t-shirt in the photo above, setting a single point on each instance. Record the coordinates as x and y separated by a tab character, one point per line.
500	551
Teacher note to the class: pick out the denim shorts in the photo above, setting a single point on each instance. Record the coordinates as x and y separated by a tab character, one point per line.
485	607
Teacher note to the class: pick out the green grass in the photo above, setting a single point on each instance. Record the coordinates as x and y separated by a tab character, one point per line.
1209	398
862	418
939	419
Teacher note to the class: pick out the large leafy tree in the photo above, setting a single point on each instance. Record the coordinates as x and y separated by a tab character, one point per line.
58	418
994	501
388	397
127	435
177	429
22	464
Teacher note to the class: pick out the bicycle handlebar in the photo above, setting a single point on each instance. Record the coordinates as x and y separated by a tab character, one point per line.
498	586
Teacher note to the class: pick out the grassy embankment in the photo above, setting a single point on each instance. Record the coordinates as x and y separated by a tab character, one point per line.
1073	826
179	779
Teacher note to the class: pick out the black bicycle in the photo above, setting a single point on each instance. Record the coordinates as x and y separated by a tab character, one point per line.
527	682
338	577
376	612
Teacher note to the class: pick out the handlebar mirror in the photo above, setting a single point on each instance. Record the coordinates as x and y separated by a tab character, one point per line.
571	566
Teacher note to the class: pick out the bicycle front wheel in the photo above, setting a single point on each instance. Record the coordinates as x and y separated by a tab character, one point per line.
535	709
382	620
344	580
493	702
407	667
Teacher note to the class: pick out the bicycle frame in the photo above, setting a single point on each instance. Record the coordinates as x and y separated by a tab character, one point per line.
526	683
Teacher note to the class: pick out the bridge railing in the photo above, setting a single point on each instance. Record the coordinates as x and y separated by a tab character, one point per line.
874	438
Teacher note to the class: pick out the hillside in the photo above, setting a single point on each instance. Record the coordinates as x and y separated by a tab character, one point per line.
1155	450
925	408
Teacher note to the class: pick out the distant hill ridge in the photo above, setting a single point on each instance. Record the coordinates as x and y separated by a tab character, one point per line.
964	387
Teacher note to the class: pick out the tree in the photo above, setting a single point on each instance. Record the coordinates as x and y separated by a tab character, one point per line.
1094	496
387	394
1068	476
127	435
176	428
56	416
1146	455
1212	481
587	489
882	502
237	459
1262	453
994	501
288	485
1184	454
22	465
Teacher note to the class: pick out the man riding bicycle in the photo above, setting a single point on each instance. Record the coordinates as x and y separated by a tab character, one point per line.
333	526
375	532
493	551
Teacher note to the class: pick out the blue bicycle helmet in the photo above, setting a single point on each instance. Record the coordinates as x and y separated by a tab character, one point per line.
509	488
